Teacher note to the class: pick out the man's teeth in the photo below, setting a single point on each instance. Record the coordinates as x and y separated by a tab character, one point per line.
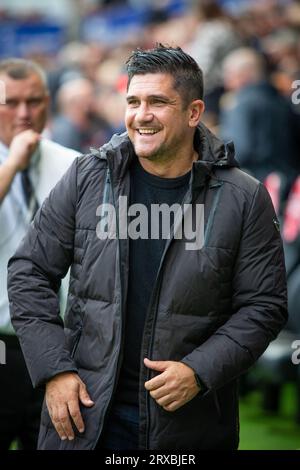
147	131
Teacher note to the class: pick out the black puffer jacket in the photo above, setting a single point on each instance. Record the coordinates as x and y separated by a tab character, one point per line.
216	309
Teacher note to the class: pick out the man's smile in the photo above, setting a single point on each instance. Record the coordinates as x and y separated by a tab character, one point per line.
147	131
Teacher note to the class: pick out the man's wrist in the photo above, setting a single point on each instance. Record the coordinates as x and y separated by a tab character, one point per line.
11	165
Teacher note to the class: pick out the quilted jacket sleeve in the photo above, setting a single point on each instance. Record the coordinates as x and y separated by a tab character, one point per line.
34	275
259	302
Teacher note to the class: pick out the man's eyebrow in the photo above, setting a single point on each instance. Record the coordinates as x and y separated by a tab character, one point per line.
151	97
131	97
18	98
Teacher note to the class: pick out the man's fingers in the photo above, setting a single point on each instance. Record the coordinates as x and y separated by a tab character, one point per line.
84	396
58	425
173	406
64	419
159	393
156	382
63	393
75	414
156	365
165	400
61	419
59	429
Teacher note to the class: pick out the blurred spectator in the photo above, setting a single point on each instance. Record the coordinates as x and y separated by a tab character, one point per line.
77	125
291	228
110	106
75	60
292	13
267	16
215	38
281	45
258	119
29	167
162	27
283	52
68	67
111	89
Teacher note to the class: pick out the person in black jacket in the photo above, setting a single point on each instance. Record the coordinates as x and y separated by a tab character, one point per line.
261	122
168	303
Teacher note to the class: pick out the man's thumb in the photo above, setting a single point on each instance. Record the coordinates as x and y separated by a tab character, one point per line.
156	365
84	396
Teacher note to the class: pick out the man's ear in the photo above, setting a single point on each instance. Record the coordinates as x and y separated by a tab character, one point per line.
196	109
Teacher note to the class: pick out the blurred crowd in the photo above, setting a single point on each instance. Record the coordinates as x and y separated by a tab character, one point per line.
249	52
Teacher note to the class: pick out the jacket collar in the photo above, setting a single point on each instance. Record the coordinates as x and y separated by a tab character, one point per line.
212	152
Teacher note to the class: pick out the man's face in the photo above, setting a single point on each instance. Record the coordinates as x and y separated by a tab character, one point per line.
26	103
158	125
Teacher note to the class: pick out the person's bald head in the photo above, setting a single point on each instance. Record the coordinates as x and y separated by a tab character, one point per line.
26	98
20	69
242	67
75	96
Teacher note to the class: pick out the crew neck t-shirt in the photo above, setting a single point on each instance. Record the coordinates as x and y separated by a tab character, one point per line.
144	260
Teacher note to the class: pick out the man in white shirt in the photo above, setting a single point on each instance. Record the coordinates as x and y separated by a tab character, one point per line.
29	167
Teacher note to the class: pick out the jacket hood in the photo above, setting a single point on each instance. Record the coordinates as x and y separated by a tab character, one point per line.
213	153
212	150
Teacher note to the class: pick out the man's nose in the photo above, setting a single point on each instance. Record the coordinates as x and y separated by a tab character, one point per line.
144	113
23	110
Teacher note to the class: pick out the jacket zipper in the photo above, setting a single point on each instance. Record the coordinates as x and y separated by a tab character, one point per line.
213	209
154	301
153	305
109	187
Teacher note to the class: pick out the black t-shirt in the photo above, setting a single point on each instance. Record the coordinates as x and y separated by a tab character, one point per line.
144	259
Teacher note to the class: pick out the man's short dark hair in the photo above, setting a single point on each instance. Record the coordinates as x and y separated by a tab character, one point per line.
18	69
188	77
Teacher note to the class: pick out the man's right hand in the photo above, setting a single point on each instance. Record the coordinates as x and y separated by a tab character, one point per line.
20	152
63	393
22	148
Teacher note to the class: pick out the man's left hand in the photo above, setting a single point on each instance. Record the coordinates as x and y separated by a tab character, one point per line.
174	386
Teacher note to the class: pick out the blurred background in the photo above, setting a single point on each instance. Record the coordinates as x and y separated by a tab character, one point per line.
249	52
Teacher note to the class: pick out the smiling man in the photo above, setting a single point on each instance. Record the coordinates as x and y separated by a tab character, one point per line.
155	334
161	124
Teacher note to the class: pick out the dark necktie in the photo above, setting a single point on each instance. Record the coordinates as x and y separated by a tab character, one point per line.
29	195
